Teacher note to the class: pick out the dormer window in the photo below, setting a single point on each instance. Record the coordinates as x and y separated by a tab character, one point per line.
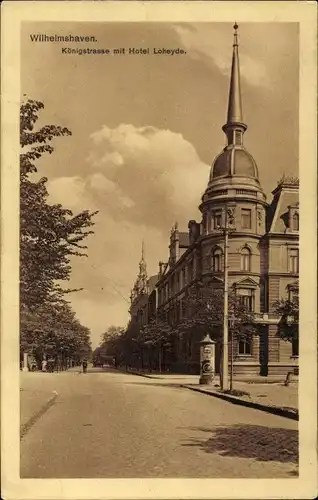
295	221
292	216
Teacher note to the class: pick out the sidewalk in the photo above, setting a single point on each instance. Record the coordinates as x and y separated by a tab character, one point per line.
272	398
270	394
37	391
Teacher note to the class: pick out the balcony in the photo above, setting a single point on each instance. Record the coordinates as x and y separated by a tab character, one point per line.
267	318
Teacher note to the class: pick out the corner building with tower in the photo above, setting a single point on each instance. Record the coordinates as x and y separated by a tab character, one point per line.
262	251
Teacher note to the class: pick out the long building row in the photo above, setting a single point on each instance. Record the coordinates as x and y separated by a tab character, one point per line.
263	254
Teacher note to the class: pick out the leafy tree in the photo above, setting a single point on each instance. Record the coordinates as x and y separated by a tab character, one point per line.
204	314
111	334
53	330
111	342
130	346
50	234
157	335
288	310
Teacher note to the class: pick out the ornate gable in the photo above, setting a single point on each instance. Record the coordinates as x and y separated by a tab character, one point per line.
246	283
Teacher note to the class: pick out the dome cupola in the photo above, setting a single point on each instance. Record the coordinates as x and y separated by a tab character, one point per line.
234	173
234	160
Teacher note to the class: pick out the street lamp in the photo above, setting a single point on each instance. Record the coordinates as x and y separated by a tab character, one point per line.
232	323
226	230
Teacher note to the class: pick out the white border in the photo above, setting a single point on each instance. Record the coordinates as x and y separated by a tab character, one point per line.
13	13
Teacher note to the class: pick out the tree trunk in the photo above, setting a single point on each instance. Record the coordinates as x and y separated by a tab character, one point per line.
231	374
221	366
159	359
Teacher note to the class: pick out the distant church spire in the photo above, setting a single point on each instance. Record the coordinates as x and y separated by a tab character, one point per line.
141	282
142	263
234	127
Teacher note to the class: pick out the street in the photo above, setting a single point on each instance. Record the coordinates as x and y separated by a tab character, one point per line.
107	424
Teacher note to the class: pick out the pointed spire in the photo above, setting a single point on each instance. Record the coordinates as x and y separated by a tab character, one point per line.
234	113
235	127
142	262
141	281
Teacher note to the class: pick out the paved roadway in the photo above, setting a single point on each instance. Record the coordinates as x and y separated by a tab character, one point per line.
110	425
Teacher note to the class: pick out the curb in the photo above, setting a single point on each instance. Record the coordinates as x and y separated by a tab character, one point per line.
137	373
275	410
27	426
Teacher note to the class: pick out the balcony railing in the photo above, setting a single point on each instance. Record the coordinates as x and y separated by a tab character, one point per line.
267	318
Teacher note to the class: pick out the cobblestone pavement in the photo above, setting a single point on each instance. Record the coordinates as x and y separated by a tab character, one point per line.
105	425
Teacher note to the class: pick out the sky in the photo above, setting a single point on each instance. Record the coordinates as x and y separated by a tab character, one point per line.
145	132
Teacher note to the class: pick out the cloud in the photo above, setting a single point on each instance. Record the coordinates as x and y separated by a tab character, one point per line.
209	43
68	191
156	173
141	180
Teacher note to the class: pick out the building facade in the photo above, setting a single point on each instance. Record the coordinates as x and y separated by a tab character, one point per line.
262	250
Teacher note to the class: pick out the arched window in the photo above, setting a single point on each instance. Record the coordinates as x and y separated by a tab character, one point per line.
217	260
296	222
245	259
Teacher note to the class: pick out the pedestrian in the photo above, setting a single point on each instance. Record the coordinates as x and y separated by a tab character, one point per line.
84	366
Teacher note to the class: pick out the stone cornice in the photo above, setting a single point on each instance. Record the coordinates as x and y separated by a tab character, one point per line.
286	235
224	199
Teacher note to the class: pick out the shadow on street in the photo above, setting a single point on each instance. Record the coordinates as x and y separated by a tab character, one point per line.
249	441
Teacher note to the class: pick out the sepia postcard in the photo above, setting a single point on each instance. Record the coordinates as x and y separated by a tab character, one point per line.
156	266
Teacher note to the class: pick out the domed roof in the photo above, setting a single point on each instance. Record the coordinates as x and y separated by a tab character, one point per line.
234	161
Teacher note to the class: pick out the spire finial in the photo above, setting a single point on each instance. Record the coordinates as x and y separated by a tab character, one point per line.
143	250
236	27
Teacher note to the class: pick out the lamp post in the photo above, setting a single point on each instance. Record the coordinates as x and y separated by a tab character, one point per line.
232	322
228	228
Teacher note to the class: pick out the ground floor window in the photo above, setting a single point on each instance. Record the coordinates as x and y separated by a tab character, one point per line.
245	347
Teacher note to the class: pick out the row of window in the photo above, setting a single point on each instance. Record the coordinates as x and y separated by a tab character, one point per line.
216	219
186	274
246	260
177	282
244	347
246	220
217	259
